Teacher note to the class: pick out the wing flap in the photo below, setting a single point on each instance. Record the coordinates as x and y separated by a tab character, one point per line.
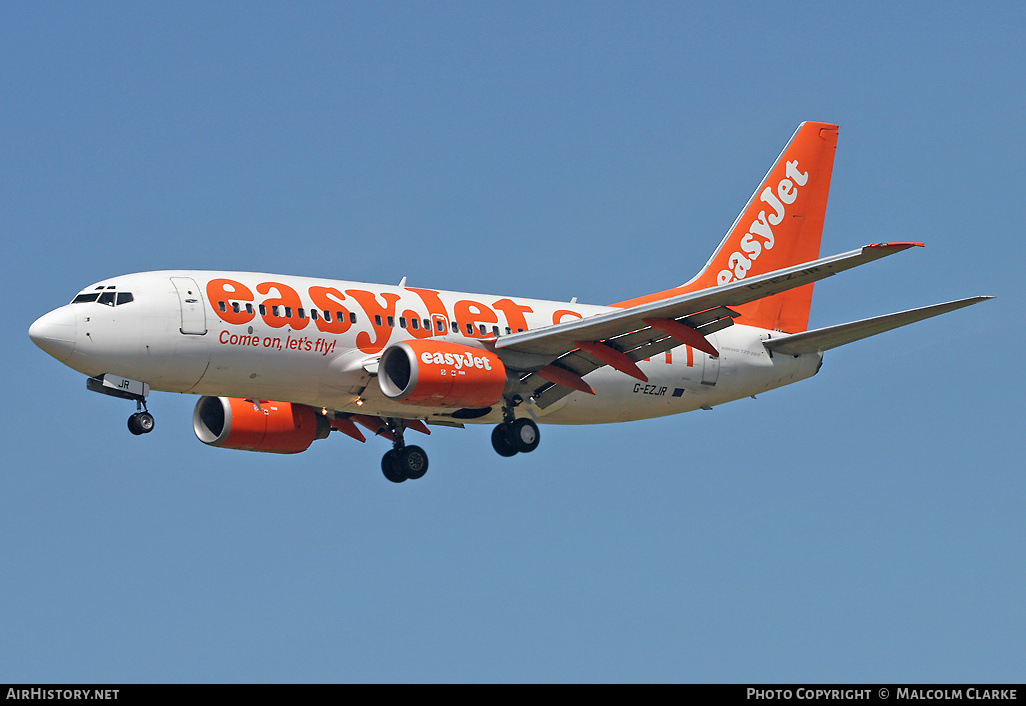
823	339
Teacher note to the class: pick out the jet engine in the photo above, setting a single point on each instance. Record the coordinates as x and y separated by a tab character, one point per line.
441	374
250	425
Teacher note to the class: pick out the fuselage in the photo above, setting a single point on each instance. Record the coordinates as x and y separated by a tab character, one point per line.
317	342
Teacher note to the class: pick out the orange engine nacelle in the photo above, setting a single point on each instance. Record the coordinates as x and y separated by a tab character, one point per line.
272	427
441	374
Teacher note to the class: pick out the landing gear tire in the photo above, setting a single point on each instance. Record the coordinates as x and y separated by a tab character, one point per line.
390	467
412	462
407	463
523	435
501	442
140	423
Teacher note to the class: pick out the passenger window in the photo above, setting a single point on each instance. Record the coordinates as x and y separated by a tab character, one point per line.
352	317
402	321
288	312
377	319
508	330
235	307
415	322
495	330
302	314
455	327
313	314
327	316
470	329
483	328
427	325
275	311
222	306
249	308
263	310
391	322
440	326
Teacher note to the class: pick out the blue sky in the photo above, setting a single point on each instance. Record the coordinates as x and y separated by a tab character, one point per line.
865	525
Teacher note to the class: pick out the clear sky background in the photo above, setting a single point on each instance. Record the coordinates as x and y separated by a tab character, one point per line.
865	525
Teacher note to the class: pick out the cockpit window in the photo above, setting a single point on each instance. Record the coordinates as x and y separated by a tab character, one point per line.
104	296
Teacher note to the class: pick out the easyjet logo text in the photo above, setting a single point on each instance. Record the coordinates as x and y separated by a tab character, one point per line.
464	360
760	233
376	315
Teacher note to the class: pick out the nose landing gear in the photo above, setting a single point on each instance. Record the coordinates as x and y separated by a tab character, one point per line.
142	421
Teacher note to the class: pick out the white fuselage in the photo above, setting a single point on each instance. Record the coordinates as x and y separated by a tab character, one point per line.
265	336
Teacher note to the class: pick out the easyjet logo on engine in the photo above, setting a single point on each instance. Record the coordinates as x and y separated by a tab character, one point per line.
760	232
465	360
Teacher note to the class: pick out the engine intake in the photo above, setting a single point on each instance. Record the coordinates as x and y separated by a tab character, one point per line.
268	426
441	374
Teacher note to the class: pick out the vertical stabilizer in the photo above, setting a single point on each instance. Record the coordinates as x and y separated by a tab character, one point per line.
781	226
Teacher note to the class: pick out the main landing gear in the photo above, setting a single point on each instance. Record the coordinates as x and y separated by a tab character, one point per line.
514	436
403	462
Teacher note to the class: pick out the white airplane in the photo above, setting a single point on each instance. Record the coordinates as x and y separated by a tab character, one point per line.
280	361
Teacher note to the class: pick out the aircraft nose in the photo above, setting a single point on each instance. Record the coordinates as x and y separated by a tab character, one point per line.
55	333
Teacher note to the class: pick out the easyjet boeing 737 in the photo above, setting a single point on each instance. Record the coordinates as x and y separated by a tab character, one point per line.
280	361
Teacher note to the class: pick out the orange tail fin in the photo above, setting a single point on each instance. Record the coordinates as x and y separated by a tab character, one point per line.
781	226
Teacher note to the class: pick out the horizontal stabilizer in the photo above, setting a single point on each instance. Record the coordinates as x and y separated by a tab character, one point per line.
823	339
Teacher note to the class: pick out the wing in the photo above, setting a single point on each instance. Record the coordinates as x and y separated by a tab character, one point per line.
555	358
